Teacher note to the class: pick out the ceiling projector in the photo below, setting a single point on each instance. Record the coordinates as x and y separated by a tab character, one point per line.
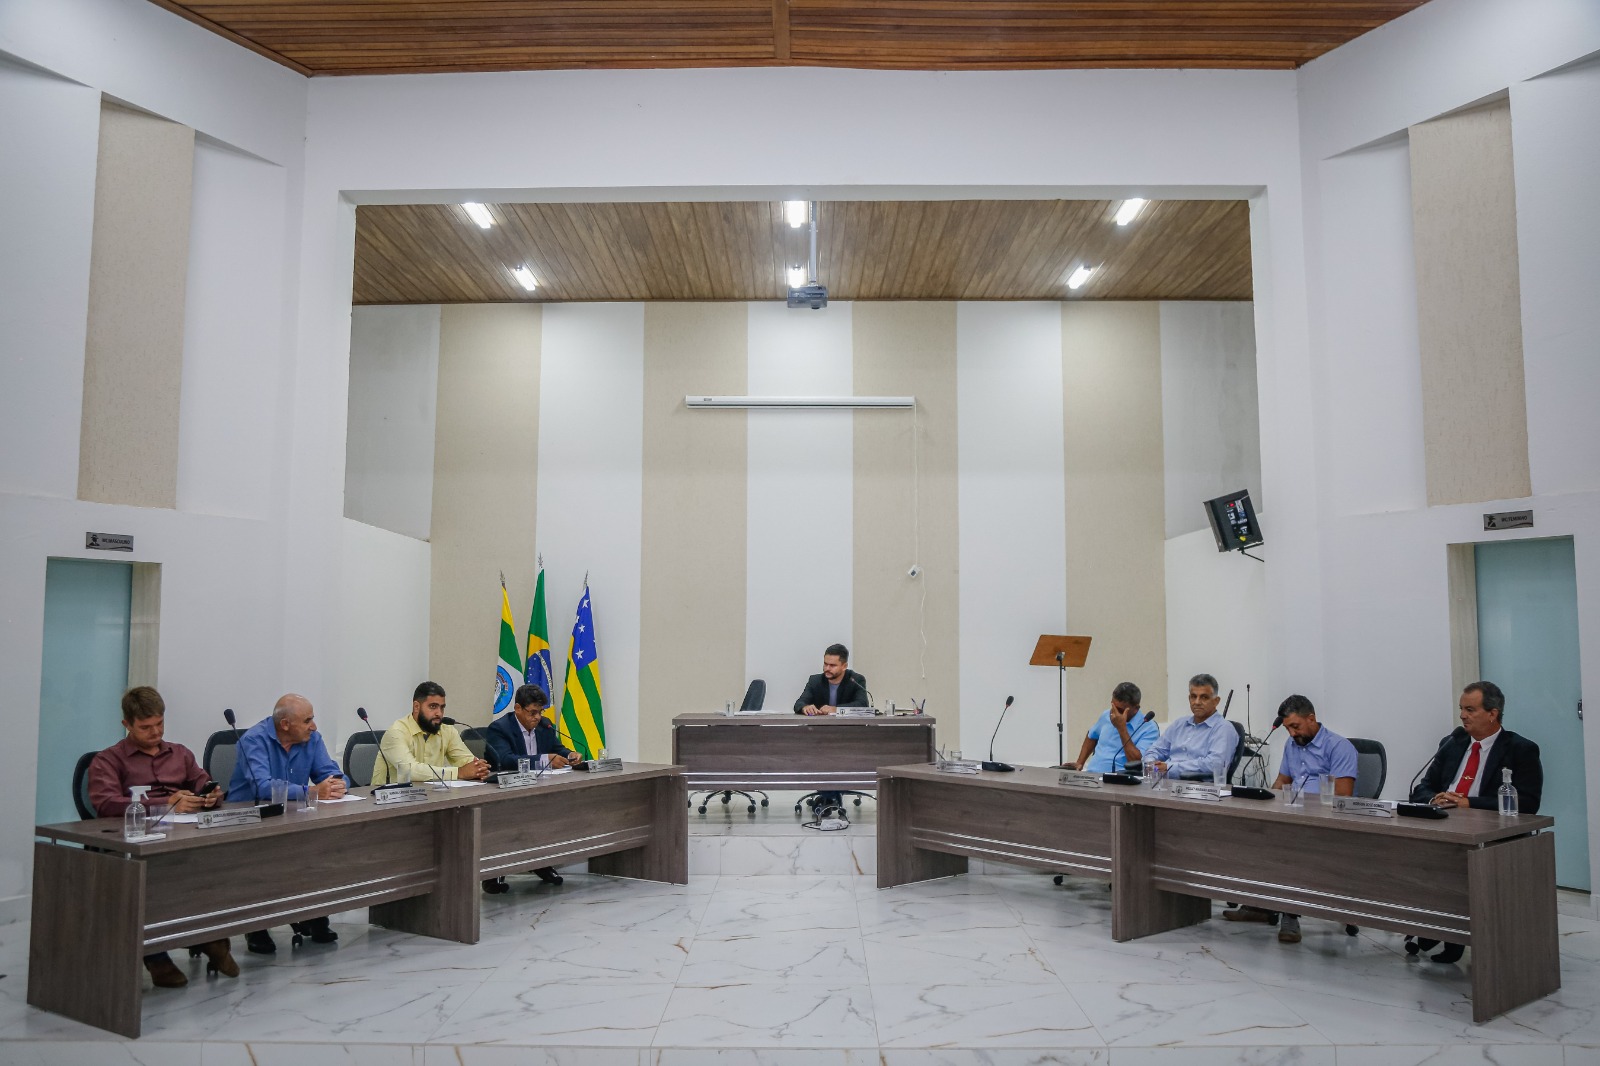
813	295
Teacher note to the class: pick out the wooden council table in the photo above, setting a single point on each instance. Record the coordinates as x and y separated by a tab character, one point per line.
101	903
783	750
1473	878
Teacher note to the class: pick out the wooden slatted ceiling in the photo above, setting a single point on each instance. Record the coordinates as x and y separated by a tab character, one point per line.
422	36
867	250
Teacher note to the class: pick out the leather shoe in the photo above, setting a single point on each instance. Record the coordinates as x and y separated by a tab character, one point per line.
1247	914
496	885
164	973
318	929
260	943
1289	933
220	954
1450	953
548	875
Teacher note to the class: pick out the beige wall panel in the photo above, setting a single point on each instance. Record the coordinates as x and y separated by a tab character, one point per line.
905	493
485	461
692	581
1469	319
1461	568
1116	527
138	268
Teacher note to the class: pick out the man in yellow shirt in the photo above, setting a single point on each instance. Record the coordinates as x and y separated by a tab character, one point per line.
423	744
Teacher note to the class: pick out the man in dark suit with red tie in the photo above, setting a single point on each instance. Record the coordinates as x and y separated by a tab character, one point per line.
1466	772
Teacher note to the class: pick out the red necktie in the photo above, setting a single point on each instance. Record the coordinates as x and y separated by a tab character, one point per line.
1470	774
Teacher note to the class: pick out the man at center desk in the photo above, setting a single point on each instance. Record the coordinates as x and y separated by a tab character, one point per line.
1191	746
424	744
837	686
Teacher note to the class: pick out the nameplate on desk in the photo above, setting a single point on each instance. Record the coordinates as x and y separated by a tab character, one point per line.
1081	779
855	712
1369	807
233	816
601	765
410	794
962	767
505	780
1197	790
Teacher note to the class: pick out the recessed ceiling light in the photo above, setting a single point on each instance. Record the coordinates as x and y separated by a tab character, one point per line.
1076	279
524	278
797	277
479	214
795	212
1130	210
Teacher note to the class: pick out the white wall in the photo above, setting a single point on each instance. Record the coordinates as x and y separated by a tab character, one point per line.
590	494
1011	483
1217	624
798	589
394	392
383	631
1211	436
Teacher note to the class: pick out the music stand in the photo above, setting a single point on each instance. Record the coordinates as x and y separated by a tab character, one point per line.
1060	652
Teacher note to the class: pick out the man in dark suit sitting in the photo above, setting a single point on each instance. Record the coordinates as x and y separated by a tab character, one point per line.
837	686
1466	771
526	733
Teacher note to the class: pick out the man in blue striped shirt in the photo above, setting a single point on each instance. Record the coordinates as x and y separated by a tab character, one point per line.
1192	746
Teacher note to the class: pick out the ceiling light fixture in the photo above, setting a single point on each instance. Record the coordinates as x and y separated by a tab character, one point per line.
525	278
797	277
479	214
795	212
1076	279
1130	210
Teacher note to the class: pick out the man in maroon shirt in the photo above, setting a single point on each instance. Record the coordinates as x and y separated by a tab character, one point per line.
175	779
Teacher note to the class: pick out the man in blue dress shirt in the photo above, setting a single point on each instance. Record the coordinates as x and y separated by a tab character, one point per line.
1118	735
286	746
1192	746
1315	750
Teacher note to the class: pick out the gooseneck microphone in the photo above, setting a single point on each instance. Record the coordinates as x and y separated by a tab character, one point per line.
361	713
991	764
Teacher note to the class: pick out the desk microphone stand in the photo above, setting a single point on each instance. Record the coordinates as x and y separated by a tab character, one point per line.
1060	652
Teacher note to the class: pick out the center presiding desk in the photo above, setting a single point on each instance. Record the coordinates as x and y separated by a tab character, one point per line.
780	750
417	866
1473	878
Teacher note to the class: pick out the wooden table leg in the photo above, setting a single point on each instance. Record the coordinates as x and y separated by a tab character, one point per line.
1515	953
88	928
666	856
1137	907
450	911
899	862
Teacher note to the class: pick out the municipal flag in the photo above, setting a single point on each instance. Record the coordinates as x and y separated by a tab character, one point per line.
540	671
508	670
581	718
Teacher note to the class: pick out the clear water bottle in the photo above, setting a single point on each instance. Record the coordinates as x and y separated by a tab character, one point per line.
1508	794
133	819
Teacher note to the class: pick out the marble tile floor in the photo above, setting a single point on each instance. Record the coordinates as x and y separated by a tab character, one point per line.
824	970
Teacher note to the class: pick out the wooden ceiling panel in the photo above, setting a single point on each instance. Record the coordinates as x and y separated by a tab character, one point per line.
867	250
423	36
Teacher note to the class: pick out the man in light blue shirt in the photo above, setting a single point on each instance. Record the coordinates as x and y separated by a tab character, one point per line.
1314	750
1191	746
1118	735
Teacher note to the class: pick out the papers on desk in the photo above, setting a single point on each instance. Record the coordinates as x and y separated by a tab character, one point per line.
180	819
454	784
346	798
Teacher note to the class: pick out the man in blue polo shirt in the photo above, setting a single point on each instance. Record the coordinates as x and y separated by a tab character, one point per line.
1118	735
1314	750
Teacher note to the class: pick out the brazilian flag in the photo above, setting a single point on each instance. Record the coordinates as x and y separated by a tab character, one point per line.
539	671
508	669
582	720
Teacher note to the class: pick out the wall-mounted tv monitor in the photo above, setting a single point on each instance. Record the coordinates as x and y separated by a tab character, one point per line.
1233	522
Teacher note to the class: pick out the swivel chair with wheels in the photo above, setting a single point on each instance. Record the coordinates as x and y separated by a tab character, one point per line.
80	785
755	697
222	751
360	755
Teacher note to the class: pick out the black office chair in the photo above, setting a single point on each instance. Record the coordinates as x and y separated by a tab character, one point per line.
360	755
755	697
222	751
80	785
814	799
1238	750
1372	767
475	740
